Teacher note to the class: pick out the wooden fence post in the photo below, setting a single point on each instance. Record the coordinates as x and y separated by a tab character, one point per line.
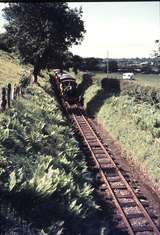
14	92
22	91
4	100
18	90
9	95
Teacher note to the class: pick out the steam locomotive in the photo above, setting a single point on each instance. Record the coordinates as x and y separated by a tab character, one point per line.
65	86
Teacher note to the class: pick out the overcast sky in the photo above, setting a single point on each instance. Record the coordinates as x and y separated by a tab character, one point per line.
124	29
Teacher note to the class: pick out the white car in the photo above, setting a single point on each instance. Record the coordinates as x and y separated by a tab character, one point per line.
128	76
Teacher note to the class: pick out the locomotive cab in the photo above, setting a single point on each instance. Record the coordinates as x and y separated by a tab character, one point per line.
65	86
69	88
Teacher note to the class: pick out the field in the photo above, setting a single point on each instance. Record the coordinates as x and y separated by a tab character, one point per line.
144	79
149	79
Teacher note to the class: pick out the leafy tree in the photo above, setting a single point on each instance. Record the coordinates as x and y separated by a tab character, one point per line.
113	66
68	60
157	55
77	63
157	51
42	32
91	63
6	43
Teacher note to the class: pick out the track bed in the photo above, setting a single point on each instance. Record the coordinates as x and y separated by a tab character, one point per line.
132	210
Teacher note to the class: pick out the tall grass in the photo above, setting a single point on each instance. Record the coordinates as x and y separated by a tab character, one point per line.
136	126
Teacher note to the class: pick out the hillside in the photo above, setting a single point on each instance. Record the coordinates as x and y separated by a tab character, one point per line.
10	68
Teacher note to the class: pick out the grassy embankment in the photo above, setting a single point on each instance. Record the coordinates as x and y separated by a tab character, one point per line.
42	171
10	69
133	118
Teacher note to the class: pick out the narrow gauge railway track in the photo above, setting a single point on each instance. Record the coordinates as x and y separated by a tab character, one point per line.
134	215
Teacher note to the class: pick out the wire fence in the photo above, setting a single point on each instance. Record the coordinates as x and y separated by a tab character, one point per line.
11	92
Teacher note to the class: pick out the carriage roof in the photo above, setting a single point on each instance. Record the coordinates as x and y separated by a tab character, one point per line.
68	80
67	77
56	70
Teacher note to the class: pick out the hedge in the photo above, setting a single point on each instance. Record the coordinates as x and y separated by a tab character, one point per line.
132	88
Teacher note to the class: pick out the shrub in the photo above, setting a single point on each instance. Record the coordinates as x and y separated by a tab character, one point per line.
25	80
144	93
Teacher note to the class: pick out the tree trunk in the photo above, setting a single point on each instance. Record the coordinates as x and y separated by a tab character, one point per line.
35	78
36	72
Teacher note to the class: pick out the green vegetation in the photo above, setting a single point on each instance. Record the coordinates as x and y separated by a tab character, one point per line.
41	165
132	119
150	94
136	126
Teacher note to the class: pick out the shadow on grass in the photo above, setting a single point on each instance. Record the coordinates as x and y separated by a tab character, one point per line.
109	87
83	86
42	213
38	213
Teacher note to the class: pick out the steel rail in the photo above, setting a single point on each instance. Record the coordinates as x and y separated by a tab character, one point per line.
138	203
126	184
105	180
